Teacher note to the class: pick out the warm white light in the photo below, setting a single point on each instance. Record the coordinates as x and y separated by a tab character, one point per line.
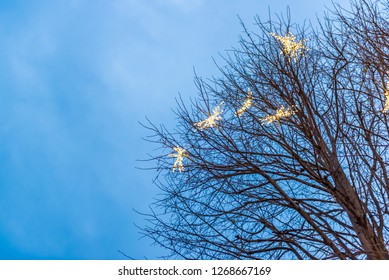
246	105
280	113
291	47
180	154
212	120
386	93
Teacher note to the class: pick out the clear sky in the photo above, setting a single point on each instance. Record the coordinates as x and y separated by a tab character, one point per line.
76	76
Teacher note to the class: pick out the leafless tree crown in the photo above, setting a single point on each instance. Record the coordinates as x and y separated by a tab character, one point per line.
286	155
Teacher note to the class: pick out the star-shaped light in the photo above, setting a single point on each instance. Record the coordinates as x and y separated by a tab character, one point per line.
246	105
291	48
280	113
212	120
180	154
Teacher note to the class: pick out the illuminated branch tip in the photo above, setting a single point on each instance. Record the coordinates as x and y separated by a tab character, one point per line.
180	154
246	105
280	113
386	93
212	120
291	48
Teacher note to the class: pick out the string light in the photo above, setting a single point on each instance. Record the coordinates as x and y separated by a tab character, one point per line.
246	105
280	113
212	120
291	47
386	93
181	153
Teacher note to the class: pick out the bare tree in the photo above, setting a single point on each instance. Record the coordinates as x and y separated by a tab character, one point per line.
286	155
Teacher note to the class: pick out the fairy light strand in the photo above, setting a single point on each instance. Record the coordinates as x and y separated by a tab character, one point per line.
179	155
246	105
280	113
212	121
290	47
386	94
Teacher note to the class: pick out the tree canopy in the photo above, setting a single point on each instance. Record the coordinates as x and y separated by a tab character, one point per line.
285	155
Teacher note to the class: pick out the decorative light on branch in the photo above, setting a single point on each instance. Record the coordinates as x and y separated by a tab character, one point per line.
246	105
180	154
386	93
280	113
212	120
291	47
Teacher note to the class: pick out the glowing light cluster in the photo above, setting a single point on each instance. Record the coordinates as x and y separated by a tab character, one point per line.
291	47
180	154
280	113
386	93
212	120
246	105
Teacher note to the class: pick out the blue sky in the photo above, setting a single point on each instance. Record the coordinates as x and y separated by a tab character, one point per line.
76	76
